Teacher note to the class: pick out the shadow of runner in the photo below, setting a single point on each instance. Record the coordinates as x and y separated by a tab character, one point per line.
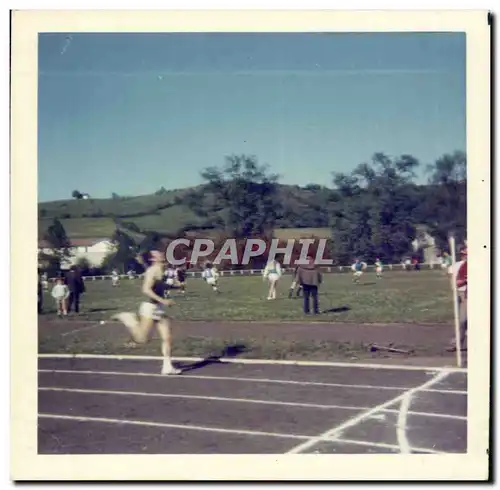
228	351
338	309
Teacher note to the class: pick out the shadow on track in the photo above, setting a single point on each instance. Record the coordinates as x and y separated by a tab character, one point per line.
228	351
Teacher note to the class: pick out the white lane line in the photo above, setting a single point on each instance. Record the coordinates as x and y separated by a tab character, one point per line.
169	426
278	362
427	414
243	400
80	330
383	445
201	397
143	423
337	430
251	380
404	445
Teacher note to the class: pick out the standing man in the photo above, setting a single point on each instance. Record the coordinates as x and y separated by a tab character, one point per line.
76	288
309	277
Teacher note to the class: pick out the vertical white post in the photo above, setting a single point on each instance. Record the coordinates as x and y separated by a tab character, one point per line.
455	302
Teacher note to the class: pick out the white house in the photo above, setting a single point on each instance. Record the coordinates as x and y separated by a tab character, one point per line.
92	249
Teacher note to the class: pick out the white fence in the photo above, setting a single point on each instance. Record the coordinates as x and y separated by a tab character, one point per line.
258	272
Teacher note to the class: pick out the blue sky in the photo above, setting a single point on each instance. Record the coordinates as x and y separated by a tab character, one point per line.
129	113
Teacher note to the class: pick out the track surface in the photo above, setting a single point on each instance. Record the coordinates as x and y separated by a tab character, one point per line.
112	406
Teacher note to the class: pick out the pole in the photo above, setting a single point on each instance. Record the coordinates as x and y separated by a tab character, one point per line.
455	302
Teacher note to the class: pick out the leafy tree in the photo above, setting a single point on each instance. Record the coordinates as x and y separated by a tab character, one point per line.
76	194
115	196
444	208
59	243
124	253
161	191
151	241
84	265
372	210
242	197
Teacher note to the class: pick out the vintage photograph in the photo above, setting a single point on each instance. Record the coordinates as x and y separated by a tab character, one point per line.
254	243
199	148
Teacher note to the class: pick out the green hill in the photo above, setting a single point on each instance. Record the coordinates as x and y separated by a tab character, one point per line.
165	213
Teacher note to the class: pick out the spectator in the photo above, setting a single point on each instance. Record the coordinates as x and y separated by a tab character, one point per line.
309	277
60	293
460	276
76	288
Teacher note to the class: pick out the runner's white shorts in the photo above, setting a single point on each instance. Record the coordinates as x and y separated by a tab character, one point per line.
378	270
211	280
273	277
358	273
151	310
170	281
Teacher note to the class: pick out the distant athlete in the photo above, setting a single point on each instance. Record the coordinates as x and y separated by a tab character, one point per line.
379	268
358	268
152	310
210	275
170	279
181	278
115	278
447	263
272	272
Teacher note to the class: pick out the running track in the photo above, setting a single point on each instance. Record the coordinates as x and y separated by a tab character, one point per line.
117	406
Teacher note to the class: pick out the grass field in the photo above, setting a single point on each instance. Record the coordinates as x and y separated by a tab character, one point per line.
204	319
406	297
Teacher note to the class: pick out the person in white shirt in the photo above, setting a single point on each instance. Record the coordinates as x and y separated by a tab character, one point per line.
272	272
60	293
115	278
170	279
210	275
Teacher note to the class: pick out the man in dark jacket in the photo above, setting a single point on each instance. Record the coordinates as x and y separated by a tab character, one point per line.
76	288
309	277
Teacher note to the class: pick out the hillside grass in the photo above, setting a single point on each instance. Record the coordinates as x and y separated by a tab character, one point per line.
163	213
121	206
81	227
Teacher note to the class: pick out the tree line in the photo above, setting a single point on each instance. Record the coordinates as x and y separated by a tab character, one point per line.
373	211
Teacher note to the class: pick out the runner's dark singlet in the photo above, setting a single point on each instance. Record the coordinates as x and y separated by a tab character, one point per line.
158	288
